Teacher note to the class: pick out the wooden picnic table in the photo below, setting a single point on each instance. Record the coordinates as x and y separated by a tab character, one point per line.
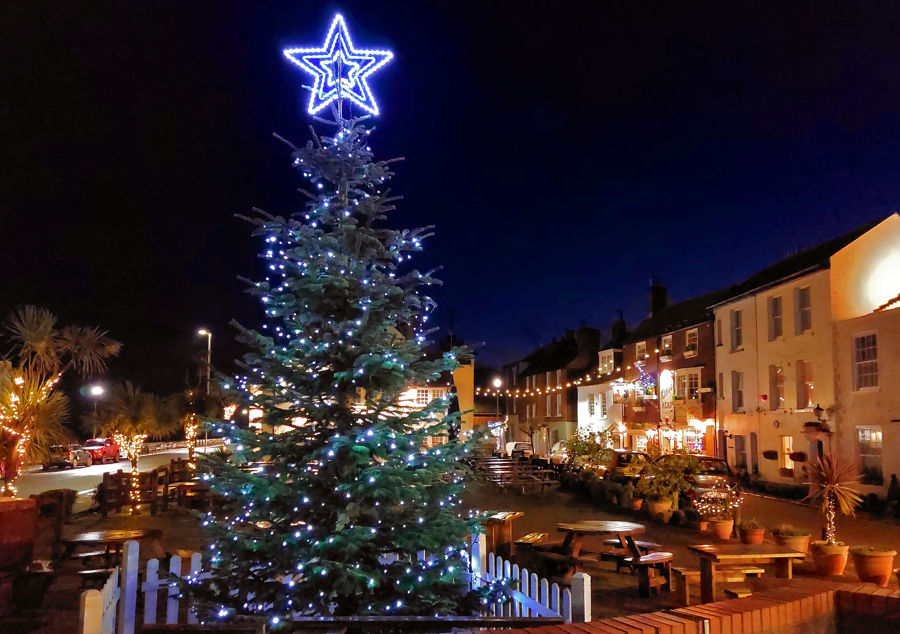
111	540
577	531
712	555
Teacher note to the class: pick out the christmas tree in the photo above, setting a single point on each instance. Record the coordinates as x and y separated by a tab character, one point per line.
350	491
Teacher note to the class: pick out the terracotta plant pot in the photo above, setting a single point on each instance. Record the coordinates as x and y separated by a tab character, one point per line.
637	503
752	535
660	509
831	559
721	529
873	566
800	543
702	526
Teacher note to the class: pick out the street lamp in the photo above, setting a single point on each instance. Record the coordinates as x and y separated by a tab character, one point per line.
203	332
96	392
497	383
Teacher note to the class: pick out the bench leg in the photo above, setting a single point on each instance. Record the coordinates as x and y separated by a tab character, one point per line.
707	580
683	590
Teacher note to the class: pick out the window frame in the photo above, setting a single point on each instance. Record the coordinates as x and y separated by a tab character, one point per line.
775	320
591	405
737	388
776	382
787	448
558	404
737	329
857	387
548	406
640	346
879	455
688	351
423	393
805	376
803	310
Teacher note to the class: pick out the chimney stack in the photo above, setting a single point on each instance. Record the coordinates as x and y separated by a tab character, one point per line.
659	297
618	330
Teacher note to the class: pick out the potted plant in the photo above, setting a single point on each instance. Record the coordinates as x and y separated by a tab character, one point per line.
835	487
719	506
752	531
626	496
663	481
874	564
791	537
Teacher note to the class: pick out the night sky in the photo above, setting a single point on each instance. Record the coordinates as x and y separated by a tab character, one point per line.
566	153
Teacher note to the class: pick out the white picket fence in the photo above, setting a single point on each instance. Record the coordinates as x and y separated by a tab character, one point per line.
535	596
114	608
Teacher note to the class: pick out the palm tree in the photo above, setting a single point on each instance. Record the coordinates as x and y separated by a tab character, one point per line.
31	412
131	416
836	489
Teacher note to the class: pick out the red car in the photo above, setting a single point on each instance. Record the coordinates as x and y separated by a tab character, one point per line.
102	450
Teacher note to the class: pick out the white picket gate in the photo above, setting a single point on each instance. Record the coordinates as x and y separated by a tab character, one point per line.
117	611
114	608
97	611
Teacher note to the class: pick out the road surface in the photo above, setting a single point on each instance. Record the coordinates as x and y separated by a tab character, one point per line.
85	479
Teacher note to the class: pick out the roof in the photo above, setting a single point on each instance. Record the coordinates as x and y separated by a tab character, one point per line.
564	353
807	261
681	315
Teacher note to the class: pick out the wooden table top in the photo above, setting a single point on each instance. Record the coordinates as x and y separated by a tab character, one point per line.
600	527
722	552
112	536
503	516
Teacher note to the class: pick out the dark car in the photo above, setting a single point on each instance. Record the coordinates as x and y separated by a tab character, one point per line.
58	459
102	450
713	472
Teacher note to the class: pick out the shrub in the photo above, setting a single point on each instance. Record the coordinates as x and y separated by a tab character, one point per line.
789	530
871	550
751	524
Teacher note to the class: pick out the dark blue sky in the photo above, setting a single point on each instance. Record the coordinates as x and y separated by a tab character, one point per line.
565	151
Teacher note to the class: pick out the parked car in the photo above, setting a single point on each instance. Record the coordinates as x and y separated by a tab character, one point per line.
559	454
79	456
622	465
58	459
713	472
102	449
519	449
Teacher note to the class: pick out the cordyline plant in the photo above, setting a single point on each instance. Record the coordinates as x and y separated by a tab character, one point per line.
835	487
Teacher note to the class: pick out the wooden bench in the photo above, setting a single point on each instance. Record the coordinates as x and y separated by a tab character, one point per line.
525	548
94	576
645	546
684	578
557	565
621	552
653	571
737	592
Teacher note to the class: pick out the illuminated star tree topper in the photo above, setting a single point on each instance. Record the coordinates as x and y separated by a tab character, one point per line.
341	71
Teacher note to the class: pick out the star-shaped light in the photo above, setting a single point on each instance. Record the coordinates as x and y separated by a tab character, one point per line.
337	61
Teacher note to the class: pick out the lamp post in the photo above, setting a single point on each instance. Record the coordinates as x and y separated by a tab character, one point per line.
204	332
498	382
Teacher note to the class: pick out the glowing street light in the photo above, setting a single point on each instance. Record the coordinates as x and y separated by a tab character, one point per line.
96	391
497	383
204	332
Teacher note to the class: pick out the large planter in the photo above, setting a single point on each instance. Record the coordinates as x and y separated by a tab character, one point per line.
873	566
18	528
660	509
831	559
800	543
752	535
721	529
